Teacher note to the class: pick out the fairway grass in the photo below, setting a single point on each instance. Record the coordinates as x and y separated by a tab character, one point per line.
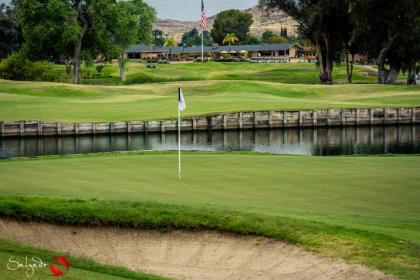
362	209
64	102
291	73
79	268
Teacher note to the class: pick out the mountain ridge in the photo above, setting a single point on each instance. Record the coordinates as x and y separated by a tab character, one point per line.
274	21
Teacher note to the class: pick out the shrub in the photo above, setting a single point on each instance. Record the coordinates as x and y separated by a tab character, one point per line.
232	59
18	67
99	68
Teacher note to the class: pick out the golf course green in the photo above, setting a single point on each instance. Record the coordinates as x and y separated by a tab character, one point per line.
360	197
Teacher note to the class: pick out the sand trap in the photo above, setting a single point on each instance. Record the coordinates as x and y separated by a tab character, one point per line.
185	254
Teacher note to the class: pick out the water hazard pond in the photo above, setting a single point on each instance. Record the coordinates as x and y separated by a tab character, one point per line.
307	141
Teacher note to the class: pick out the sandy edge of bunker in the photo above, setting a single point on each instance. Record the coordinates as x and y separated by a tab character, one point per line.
186	254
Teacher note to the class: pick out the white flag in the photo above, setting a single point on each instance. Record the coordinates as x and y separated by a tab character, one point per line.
181	102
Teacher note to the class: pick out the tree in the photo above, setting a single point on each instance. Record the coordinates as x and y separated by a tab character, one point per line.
386	24
231	21
193	38
170	42
11	38
75	30
319	21
411	59
269	37
133	24
230	39
353	43
252	40
147	16
158	38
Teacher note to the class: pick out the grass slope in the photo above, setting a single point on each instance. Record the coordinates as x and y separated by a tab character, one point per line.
79	268
377	196
63	102
291	73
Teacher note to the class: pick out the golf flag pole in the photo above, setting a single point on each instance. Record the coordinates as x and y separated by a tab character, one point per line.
181	107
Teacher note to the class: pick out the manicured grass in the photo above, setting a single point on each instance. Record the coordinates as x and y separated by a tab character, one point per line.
64	102
79	268
292	73
371	200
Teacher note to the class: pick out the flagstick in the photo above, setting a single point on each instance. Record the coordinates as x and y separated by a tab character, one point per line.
179	144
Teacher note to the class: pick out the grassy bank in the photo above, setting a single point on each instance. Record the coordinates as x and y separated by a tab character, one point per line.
363	209
79	268
291	73
64	102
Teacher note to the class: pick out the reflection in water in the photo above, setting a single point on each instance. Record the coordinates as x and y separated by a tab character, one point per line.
308	141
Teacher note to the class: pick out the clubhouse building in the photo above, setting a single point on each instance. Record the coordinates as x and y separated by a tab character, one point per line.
256	52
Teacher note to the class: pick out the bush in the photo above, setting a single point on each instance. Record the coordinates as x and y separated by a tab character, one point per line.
18	67
99	68
232	59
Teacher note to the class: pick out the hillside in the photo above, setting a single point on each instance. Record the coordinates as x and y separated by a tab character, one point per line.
273	21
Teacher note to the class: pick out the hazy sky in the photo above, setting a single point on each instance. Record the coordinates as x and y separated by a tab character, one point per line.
190	9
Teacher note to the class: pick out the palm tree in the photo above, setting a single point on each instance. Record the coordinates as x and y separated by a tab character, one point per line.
170	42
230	39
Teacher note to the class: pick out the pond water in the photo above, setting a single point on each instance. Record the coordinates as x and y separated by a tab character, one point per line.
307	141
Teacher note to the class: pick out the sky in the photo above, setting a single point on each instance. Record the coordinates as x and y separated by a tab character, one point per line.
190	9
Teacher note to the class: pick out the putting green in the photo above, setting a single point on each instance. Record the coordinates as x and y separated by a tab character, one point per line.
378	194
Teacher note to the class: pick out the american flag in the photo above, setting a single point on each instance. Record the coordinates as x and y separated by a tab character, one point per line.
203	17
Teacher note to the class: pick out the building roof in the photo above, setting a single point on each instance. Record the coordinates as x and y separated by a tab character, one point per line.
137	48
207	49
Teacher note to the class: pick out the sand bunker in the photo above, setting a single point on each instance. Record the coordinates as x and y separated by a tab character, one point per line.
185	254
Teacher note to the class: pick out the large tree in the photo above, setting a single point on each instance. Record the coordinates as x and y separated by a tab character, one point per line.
388	26
158	38
321	22
232	21
193	38
10	35
411	55
133	24
269	37
74	30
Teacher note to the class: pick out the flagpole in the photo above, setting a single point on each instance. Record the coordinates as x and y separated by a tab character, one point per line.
203	26
179	144
202	45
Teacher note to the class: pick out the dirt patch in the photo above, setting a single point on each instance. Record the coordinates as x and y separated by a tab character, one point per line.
185	254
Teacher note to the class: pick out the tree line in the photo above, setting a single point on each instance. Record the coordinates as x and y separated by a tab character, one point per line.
73	31
386	31
76	31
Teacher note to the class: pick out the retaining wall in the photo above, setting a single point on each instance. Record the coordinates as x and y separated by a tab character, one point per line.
228	121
